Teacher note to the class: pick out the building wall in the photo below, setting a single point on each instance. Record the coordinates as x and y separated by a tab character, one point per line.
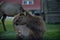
36	5
53	11
13	1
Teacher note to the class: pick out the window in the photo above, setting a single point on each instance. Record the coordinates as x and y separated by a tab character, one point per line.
27	2
30	2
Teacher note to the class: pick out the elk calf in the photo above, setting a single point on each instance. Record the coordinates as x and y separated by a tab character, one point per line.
29	27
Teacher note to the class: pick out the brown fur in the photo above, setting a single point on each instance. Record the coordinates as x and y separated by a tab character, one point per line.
35	25
30	20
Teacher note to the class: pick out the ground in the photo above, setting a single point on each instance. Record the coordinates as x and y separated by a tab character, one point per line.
52	31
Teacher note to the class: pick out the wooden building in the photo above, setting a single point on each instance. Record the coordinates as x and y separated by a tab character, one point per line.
52	11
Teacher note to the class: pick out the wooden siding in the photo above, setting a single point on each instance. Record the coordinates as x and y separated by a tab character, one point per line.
53	12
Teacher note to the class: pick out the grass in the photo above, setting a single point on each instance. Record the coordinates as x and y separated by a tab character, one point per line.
52	31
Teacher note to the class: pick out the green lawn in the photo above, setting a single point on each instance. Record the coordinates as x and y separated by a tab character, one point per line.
52	31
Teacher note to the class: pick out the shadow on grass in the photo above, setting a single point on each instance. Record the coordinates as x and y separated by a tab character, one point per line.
12	36
7	35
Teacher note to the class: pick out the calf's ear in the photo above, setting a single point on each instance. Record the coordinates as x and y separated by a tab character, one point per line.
21	8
